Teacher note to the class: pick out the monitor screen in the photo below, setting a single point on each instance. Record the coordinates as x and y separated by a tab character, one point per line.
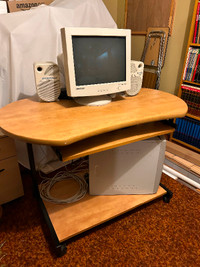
96	60
99	59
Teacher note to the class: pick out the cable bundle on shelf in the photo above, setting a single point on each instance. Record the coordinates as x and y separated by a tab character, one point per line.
47	184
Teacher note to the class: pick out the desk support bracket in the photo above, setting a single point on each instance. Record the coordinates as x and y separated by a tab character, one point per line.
60	247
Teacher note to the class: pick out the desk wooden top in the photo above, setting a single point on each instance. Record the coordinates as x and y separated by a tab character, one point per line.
64	122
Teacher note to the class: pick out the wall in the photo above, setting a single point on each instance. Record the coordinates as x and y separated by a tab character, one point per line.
112	8
172	70
117	10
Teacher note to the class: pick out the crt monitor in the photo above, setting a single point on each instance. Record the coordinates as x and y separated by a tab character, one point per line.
96	62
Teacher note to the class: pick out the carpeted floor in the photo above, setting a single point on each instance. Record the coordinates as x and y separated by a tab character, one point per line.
156	234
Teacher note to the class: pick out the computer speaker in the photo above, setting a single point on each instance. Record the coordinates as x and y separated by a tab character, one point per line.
47	80
137	70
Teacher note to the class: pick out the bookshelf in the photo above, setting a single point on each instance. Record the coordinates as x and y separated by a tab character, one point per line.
188	128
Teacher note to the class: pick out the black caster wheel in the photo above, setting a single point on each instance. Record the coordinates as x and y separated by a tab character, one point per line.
167	198
61	250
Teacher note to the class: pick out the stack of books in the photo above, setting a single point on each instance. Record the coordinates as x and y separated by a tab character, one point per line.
192	66
188	130
196	37
191	95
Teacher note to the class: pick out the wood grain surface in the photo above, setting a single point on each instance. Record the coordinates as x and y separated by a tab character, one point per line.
64	122
141	14
112	139
72	219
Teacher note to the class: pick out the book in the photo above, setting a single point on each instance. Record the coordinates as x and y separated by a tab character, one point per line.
190	87
190	63
195	68
195	63
197	75
191	95
188	131
187	62
196	27
194	56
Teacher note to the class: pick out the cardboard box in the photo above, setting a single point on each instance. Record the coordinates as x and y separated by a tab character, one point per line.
14	6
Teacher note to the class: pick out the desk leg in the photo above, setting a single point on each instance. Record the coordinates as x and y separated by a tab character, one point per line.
60	248
168	195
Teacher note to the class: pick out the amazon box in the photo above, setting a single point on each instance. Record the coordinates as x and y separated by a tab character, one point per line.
14	6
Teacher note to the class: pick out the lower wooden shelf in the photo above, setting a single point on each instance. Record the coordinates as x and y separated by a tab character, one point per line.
69	220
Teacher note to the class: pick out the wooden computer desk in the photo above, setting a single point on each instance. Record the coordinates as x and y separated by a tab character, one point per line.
76	131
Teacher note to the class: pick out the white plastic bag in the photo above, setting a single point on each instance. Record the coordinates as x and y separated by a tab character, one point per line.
34	36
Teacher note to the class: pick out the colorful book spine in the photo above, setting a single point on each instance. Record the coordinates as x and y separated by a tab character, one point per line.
191	95
197	75
196	28
190	87
195	68
188	131
194	63
190	63
187	62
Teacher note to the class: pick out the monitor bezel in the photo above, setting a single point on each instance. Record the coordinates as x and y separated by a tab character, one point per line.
93	89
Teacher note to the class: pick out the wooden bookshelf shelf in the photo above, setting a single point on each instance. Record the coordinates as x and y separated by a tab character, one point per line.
192	83
193	116
188	129
185	144
194	45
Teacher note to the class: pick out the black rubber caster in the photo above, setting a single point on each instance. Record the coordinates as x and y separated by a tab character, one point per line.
167	198
61	250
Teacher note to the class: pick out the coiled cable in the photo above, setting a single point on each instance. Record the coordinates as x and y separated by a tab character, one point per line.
47	184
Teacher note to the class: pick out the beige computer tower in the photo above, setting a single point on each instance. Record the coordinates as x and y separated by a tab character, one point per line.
130	169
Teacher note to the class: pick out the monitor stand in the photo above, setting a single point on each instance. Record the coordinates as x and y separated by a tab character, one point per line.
93	100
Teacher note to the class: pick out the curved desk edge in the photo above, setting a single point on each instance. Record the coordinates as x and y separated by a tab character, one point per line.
64	122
